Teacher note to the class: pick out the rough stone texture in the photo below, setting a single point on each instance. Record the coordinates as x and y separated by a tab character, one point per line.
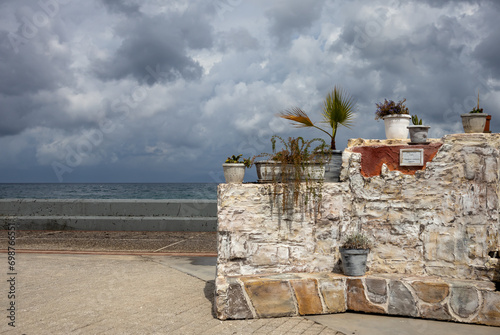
401	301
333	293
320	293
306	293
271	298
490	312
376	290
431	292
236	302
356	299
441	222
464	301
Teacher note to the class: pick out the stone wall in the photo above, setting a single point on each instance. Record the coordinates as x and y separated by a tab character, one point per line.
441	220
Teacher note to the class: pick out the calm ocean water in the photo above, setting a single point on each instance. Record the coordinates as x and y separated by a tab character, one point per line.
110	191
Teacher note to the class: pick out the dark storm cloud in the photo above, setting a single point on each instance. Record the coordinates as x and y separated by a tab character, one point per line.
289	18
158	44
121	6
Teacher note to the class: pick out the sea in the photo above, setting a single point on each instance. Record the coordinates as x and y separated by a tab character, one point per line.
109	191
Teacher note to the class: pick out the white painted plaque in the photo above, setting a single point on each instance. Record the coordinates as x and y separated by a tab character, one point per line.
411	157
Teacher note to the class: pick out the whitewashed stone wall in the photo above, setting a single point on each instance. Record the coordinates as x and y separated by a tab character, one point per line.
442	221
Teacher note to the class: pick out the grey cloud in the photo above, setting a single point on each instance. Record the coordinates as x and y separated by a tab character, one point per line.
160	43
120	6
289	18
237	39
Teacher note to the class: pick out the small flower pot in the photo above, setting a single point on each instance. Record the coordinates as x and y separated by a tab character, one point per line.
418	134
396	126
234	172
354	261
474	122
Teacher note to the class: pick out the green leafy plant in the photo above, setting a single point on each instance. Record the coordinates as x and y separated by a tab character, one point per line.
236	159
356	241
338	109
416	121
477	109
391	108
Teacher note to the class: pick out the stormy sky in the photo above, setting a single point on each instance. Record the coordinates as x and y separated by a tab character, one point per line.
164	91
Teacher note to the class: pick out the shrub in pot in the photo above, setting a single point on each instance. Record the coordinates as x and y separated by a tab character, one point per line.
354	253
396	118
234	170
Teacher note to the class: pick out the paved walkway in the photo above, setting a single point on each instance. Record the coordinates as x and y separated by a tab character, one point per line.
151	292
117	294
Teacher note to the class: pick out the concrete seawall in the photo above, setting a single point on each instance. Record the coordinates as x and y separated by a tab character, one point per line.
110	214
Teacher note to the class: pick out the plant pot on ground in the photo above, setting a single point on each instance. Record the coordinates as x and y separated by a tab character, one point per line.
418	132
354	253
396	118
234	169
338	109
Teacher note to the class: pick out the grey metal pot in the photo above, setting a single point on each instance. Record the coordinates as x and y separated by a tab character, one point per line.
333	167
354	261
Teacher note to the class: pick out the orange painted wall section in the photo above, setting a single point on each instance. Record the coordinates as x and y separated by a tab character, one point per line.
372	158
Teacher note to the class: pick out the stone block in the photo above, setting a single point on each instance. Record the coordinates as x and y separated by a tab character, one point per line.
401	301
376	290
356	298
237	307
435	311
431	292
490	312
270	298
306	293
333	293
464	301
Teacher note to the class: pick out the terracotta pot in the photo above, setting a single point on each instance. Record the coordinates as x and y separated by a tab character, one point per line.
487	126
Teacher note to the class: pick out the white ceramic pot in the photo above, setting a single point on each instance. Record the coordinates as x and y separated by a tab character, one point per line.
234	172
474	122
396	126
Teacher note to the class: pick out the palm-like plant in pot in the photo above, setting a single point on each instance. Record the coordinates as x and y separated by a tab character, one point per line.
338	110
354	253
396	118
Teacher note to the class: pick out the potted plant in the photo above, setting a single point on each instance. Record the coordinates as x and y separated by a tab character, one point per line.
234	170
296	165
354	253
396	118
338	109
418	132
475	120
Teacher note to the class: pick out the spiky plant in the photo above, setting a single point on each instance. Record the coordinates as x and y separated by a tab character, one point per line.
338	109
416	121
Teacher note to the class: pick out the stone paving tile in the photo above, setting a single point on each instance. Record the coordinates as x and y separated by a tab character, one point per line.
96	294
